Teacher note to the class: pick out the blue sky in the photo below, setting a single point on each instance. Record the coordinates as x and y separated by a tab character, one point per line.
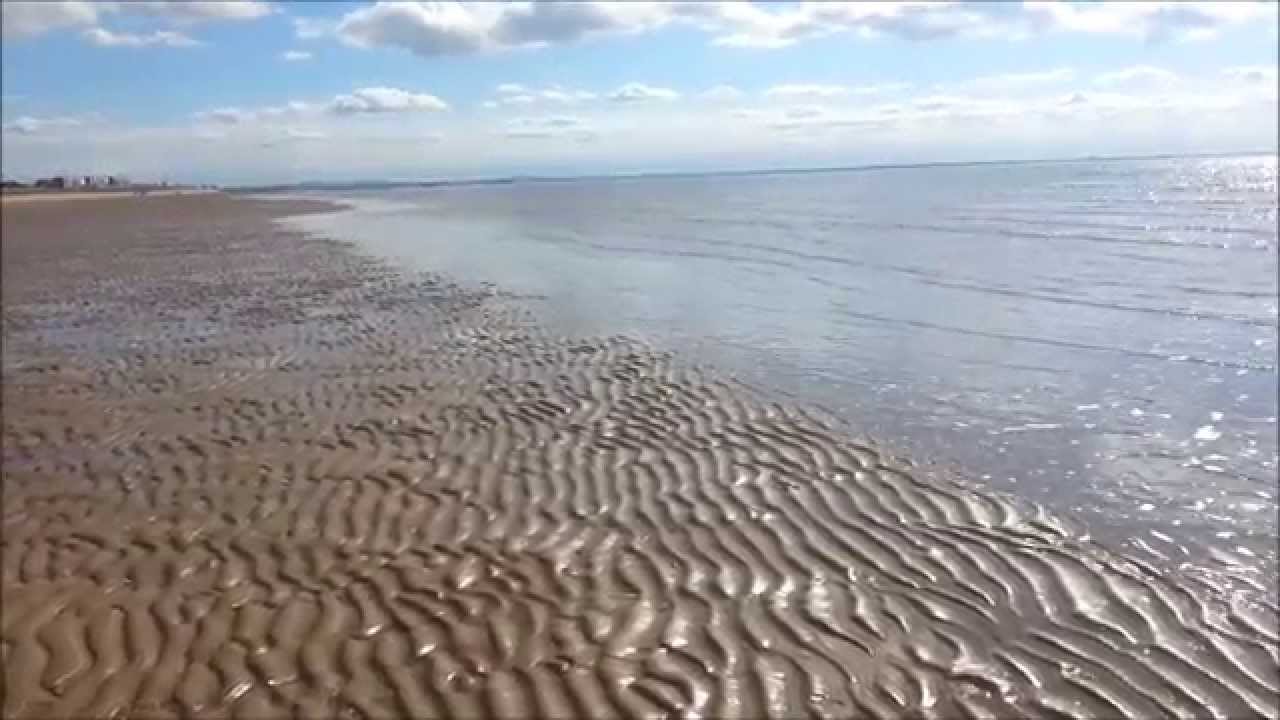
275	92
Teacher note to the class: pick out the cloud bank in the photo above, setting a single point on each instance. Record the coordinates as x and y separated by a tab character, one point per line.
430	29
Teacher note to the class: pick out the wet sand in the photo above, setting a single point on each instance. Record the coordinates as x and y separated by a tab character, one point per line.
252	473
27	196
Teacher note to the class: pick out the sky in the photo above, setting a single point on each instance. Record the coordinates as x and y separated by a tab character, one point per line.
256	92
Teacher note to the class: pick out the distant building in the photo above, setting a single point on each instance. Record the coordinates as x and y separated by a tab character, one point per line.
62	182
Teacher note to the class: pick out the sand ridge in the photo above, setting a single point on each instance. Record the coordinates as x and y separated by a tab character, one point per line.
250	473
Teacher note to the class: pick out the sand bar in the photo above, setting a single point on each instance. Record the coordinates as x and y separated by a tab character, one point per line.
250	473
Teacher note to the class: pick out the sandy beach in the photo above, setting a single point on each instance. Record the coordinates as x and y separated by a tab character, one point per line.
254	473
29	196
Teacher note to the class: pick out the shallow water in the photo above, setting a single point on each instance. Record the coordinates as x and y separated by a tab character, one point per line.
1097	336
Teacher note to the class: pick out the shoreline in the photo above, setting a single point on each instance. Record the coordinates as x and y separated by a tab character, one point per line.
348	488
1065	459
10	197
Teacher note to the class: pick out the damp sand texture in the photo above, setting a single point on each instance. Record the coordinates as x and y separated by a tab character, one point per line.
252	473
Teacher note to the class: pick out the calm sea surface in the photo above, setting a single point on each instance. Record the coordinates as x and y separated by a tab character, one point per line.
1096	336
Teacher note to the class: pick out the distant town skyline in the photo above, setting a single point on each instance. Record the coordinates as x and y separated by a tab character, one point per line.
256	92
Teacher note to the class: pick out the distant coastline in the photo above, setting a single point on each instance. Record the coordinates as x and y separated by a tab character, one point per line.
337	186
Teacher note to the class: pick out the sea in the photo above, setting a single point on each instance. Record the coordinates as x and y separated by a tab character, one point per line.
1096	336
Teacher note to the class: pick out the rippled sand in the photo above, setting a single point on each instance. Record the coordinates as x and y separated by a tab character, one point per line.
250	473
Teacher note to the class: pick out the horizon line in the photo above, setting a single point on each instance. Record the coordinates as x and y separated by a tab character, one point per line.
624	175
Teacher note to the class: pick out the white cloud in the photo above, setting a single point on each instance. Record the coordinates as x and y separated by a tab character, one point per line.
639	92
721	93
813	120
226	116
237	116
755	26
1021	81
539	23
567	97
28	19
934	103
802	90
1138	76
363	101
966	108
28	125
1150	20
295	56
193	11
292	135
517	94
160	38
1155	108
425	30
750	25
293	109
800	112
311	28
384	100
556	126
933	113
23	18
442	28
438	28
1253	74
880	89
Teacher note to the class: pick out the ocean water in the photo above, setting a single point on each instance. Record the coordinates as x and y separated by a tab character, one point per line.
1095	336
